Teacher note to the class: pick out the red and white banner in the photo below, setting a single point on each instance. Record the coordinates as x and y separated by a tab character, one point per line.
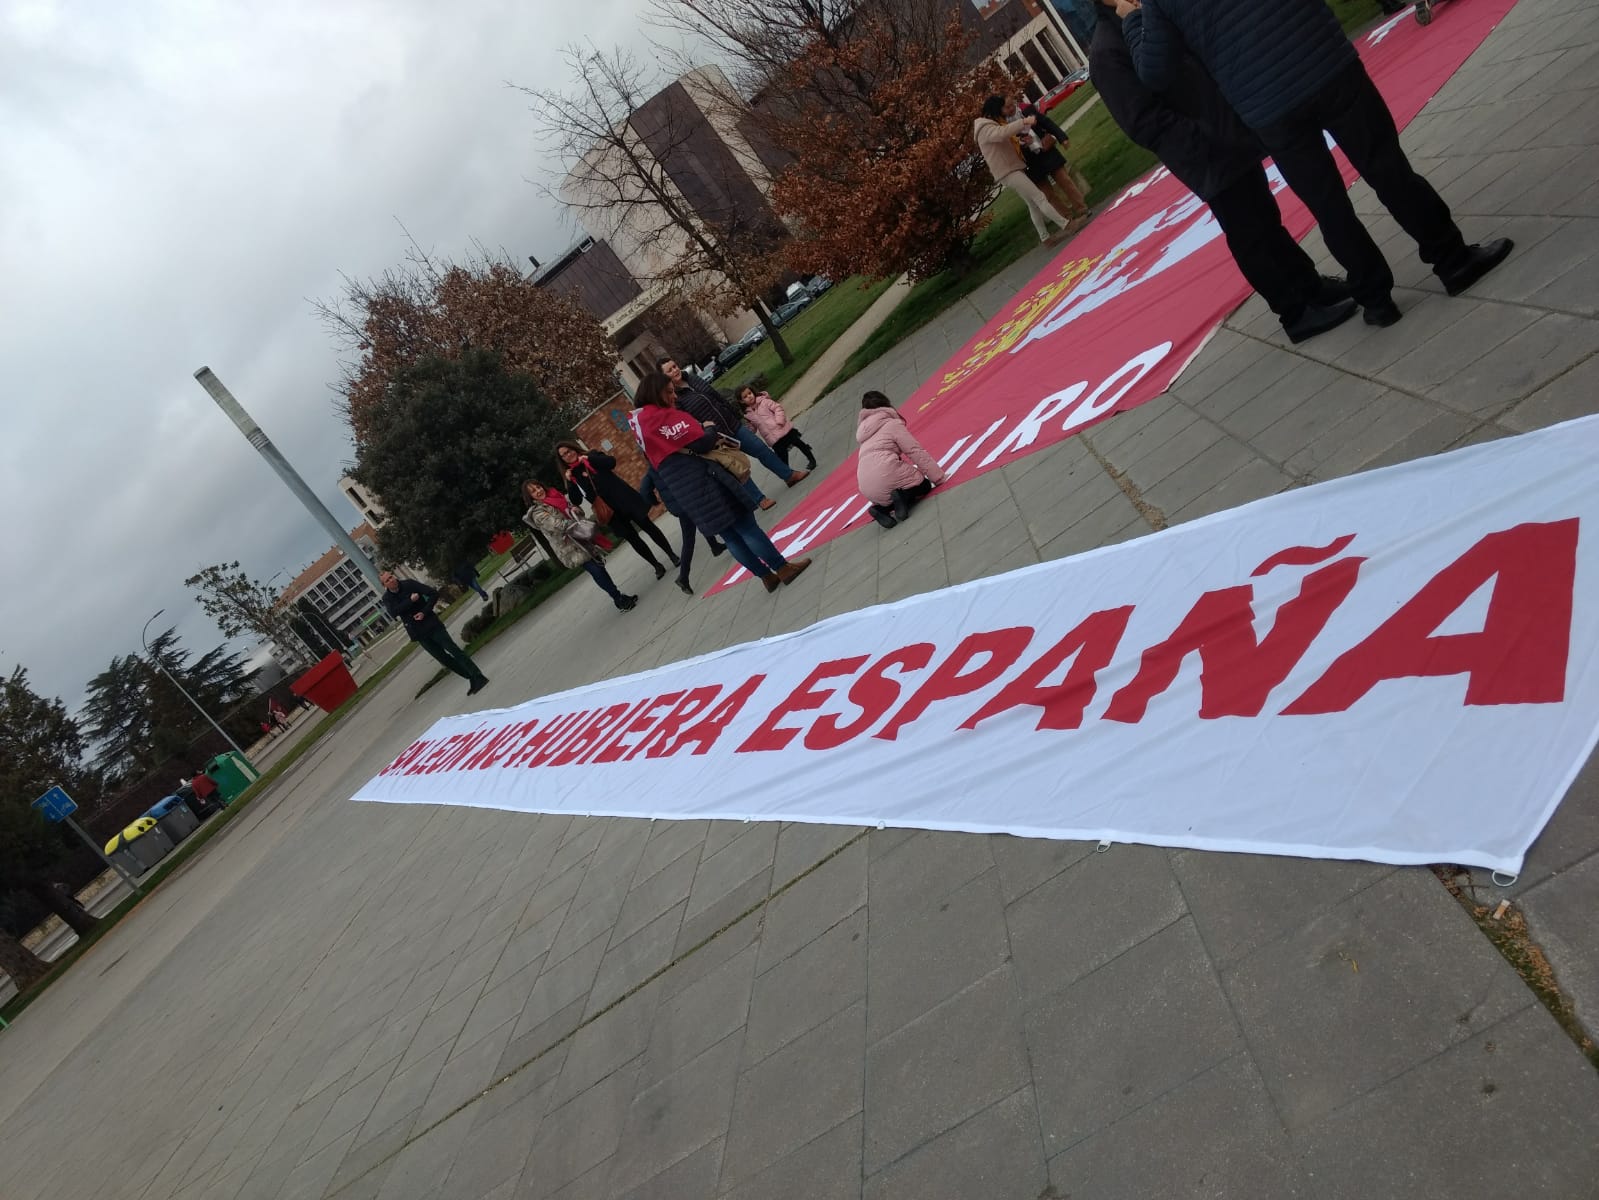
1399	666
1112	321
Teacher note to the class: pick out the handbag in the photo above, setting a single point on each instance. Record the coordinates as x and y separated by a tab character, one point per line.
603	512
582	530
727	455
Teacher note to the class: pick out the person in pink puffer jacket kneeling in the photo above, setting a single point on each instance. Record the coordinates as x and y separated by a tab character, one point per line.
893	470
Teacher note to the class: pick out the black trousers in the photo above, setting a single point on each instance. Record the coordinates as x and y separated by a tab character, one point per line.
1354	112
628	530
688	531
792	441
443	647
1265	252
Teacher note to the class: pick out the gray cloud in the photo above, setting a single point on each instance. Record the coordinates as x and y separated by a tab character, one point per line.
180	181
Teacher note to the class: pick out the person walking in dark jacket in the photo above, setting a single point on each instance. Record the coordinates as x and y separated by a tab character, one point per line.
709	407
411	603
591	477
1201	141
1291	74
655	492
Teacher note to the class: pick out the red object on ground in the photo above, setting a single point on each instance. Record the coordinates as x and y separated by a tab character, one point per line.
326	685
501	542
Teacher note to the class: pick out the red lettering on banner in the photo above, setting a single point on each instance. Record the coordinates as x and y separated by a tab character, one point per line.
1237	673
435	758
406	757
542	740
873	693
1519	657
580	724
614	731
593	734
950	678
694	702
1090	645
498	746
704	734
807	697
465	747
638	724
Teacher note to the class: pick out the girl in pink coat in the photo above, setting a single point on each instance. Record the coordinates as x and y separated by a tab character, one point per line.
893	471
767	418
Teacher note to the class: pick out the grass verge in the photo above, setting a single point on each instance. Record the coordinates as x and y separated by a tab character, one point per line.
808	335
195	842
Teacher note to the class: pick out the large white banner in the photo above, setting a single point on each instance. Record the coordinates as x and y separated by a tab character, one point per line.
1397	666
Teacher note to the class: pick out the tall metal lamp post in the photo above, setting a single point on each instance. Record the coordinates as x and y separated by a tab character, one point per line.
143	633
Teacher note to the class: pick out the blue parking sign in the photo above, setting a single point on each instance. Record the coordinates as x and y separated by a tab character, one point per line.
55	805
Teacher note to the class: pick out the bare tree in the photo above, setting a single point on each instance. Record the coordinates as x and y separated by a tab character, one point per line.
644	168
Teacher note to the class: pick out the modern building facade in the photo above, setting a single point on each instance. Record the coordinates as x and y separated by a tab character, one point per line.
338	590
717	167
365	500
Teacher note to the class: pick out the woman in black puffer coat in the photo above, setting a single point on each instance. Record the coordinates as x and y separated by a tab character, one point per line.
590	477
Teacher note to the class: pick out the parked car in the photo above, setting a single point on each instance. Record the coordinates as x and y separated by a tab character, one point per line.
1069	85
817	285
735	352
784	313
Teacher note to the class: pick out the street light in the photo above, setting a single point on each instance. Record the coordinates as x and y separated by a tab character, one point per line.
142	635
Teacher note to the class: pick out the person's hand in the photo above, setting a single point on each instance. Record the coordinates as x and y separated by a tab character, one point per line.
417	616
415	597
1123	7
1029	121
1049	141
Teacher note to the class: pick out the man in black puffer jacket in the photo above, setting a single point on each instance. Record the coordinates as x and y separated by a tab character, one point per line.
1289	71
1201	141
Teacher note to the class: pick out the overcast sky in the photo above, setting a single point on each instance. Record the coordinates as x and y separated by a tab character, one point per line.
177	182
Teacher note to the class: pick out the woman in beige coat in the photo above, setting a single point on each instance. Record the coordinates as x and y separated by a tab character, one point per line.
994	141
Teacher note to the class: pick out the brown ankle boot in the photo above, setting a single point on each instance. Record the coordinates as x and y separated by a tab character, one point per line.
790	571
770	582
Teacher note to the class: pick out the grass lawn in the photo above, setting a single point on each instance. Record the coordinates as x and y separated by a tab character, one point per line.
808	335
1103	154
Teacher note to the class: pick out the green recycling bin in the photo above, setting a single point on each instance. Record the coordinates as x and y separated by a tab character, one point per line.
233	773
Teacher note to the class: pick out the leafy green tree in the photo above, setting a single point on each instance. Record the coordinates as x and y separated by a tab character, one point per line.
447	450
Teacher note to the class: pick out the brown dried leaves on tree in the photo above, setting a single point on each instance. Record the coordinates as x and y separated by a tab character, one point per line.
433	308
875	100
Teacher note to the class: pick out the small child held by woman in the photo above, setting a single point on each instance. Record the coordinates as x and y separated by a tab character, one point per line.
893	470
767	418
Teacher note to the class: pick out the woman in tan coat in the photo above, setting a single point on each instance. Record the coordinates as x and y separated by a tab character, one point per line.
994	142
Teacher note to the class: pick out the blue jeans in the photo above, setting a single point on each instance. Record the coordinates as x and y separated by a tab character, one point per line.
601	576
747	542
750	442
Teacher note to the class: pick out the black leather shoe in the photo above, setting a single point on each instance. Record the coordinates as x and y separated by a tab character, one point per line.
683	586
1330	290
1478	262
1318	318
1383	315
902	504
882	516
478	685
660	571
627	603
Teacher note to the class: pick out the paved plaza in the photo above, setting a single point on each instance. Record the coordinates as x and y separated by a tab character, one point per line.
359	1001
